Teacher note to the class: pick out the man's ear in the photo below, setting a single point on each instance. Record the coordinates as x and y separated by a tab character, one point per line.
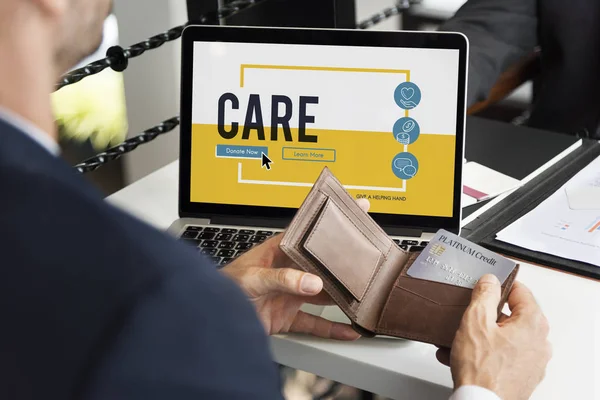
53	8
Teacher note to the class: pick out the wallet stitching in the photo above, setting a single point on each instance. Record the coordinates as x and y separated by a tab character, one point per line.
299	259
431	300
429	338
375	231
361	232
377	264
297	256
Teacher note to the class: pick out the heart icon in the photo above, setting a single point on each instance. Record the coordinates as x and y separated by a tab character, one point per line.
408	93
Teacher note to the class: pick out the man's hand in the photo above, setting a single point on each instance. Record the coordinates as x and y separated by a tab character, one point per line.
508	357
278	290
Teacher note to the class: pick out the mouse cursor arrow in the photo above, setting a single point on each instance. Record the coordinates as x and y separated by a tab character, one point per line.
266	162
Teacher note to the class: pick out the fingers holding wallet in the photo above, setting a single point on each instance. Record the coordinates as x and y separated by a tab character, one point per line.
508	357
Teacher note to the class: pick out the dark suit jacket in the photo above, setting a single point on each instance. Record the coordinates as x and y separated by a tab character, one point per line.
96	305
567	32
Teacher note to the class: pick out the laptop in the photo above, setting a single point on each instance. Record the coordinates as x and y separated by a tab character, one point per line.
264	110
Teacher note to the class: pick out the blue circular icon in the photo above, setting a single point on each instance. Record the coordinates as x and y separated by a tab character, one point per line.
407	95
406	131
405	166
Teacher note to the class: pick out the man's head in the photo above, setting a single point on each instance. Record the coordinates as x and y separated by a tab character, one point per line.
78	25
71	29
39	41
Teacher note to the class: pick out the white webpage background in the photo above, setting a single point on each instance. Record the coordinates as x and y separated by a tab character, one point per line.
360	101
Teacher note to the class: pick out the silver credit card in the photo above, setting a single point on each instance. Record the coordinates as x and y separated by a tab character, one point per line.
455	261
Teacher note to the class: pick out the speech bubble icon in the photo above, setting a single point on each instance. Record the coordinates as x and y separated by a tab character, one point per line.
401	163
410	171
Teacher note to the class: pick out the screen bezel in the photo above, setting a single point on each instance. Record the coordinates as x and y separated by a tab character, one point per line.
304	36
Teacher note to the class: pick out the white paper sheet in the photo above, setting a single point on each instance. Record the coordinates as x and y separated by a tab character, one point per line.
555	227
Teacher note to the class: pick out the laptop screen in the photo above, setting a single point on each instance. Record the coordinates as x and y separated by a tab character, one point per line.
266	118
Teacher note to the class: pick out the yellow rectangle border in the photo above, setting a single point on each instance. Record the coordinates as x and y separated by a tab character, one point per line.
244	67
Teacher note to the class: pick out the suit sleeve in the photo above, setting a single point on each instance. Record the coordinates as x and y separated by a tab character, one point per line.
178	344
500	33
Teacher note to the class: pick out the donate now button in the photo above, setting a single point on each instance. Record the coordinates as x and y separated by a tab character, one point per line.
300	154
230	151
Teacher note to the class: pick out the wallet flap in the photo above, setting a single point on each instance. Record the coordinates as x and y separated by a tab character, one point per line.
332	237
339	245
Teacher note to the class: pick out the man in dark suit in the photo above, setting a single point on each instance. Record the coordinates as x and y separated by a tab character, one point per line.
96	305
501	32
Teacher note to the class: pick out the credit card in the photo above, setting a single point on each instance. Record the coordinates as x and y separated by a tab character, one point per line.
455	261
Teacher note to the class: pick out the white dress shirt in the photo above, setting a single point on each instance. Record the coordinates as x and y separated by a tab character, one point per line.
474	393
29	129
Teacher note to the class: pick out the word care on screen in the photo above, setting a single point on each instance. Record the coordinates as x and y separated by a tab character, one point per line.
382	119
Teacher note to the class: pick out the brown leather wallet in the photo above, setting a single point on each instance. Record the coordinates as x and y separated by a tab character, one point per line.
364	271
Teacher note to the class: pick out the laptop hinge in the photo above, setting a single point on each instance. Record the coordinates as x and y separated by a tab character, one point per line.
403	231
249	221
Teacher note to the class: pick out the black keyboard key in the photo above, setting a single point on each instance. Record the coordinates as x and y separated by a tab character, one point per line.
193	228
241	238
216	260
410	242
239	253
257	239
265	233
227	245
229	231
209	252
404	247
209	244
226	260
212	230
223	236
424	243
226	253
415	249
243	246
189	235
396	241
206	236
247	232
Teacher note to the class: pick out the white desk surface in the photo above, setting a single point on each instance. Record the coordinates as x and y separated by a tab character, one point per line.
402	369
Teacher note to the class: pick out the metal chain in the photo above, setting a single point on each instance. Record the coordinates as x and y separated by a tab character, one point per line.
398	9
129	145
118	58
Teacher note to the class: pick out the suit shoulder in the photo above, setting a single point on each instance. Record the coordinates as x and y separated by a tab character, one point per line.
181	343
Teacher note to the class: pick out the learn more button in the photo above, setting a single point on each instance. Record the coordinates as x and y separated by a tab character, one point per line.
300	154
230	151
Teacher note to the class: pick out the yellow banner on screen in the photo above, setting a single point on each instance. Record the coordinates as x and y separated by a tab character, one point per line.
365	163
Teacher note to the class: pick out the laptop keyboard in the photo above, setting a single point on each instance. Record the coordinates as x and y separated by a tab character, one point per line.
222	245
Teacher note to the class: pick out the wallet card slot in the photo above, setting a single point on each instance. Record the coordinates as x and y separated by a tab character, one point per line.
412	316
436	292
343	250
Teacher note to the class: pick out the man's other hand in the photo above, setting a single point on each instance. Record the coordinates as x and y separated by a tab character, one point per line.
278	289
507	356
